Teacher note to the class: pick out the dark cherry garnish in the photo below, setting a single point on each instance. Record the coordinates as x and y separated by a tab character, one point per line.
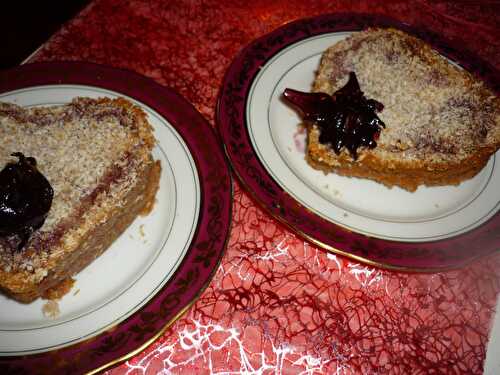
25	199
345	119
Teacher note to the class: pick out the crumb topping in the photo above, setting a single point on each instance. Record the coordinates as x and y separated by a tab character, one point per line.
433	111
51	309
86	151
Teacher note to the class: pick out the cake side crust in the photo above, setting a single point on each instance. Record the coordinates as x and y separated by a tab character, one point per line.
393	172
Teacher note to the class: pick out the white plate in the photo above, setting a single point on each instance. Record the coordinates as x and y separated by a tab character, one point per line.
363	206
134	268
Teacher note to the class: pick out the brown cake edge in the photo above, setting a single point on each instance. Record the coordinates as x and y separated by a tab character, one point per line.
405	174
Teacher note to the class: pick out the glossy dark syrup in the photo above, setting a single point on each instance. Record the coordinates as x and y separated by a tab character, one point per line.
25	199
345	119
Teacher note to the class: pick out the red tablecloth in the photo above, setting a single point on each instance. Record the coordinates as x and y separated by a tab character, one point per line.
278	304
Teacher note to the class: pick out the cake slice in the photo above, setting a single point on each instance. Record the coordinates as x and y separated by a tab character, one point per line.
441	124
96	155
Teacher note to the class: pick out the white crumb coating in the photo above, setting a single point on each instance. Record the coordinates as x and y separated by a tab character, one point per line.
86	150
434	111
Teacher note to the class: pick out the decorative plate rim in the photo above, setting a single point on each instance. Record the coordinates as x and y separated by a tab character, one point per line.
207	246
428	256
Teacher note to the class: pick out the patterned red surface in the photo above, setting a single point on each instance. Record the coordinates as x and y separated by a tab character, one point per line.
278	304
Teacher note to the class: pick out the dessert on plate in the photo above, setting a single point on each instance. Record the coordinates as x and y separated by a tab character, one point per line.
73	177
387	107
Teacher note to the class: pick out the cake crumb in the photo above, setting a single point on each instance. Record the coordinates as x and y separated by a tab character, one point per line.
76	292
141	230
51	309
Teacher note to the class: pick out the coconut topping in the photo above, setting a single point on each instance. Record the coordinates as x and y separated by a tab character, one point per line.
433	110
87	149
